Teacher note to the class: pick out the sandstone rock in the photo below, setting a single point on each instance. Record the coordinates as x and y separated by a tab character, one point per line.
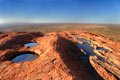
58	57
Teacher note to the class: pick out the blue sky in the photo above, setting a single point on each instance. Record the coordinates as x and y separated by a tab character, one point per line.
75	11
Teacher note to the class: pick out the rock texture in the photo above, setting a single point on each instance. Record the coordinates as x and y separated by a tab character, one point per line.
59	58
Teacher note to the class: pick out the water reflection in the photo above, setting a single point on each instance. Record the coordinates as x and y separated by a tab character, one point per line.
45	35
81	39
100	48
31	44
89	50
24	57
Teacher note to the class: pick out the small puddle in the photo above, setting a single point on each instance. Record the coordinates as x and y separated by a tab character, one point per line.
24	57
81	39
100	48
89	50
31	44
45	35
100	58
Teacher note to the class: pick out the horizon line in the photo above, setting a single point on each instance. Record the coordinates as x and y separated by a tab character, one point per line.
57	23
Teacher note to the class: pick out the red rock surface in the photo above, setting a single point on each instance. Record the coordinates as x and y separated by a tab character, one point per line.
59	57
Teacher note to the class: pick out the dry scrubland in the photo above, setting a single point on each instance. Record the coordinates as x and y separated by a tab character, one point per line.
111	31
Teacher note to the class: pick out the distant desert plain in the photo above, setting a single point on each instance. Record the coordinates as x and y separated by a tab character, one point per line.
111	31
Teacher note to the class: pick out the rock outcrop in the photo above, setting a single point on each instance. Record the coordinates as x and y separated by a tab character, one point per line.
59	57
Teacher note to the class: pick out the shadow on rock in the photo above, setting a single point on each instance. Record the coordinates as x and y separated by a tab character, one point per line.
71	55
